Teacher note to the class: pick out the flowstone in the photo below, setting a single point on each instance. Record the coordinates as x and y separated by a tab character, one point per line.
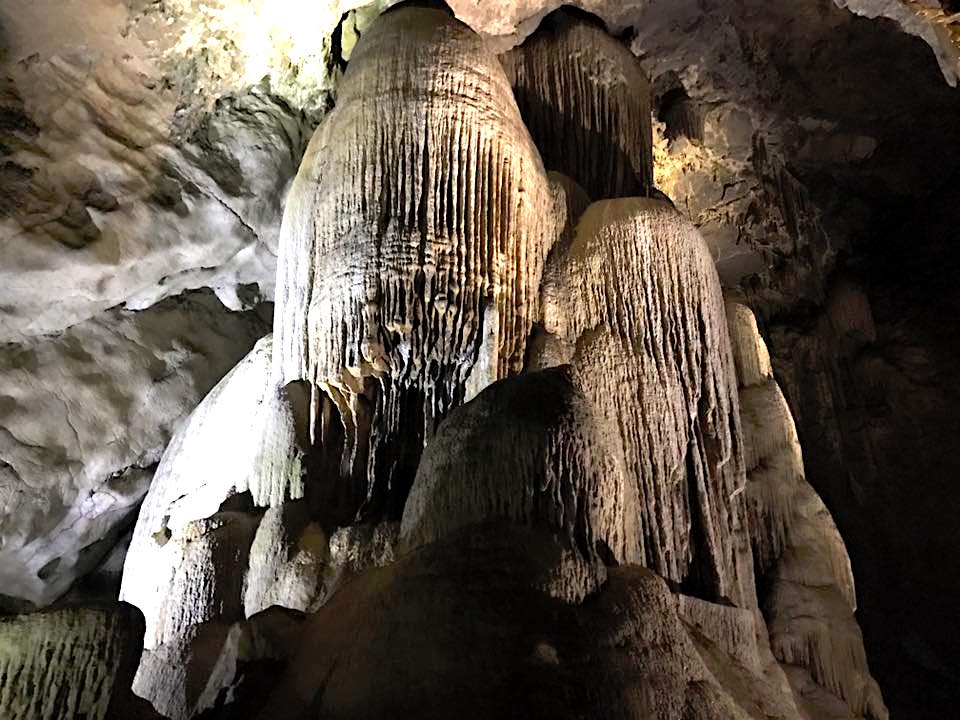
587	469
412	246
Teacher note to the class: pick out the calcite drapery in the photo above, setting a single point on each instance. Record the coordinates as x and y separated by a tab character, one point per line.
650	348
412	243
586	101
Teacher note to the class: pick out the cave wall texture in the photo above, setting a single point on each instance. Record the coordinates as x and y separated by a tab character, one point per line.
659	283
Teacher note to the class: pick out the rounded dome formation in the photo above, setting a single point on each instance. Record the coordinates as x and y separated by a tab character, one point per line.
475	640
525	451
413	240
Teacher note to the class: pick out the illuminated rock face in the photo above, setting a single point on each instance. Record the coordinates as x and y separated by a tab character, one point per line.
215	456
649	346
412	243
809	597
84	418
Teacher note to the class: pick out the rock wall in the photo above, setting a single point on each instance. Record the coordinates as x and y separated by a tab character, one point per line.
84	417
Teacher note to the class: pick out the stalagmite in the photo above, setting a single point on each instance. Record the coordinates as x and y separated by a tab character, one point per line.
239	434
191	547
649	345
810	597
70	663
509	451
478	642
586	101
551	469
412	244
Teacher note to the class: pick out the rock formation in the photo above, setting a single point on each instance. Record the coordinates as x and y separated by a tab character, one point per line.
85	416
412	244
650	349
527	451
509	450
809	597
586	100
70	663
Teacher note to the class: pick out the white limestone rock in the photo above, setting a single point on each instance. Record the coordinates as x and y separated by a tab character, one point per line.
107	200
83	418
636	300
218	454
810	597
412	244
287	561
189	617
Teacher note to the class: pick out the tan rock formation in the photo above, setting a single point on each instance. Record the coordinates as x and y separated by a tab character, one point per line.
413	243
526	451
810	598
586	100
649	346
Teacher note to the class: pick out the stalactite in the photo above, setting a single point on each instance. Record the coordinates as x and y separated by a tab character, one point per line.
586	101
636	298
421	212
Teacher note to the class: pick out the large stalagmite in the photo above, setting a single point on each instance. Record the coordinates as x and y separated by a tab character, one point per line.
509	454
649	345
412	245
586	101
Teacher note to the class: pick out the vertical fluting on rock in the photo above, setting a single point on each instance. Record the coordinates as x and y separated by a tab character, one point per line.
421	214
636	299
71	663
809	597
586	101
